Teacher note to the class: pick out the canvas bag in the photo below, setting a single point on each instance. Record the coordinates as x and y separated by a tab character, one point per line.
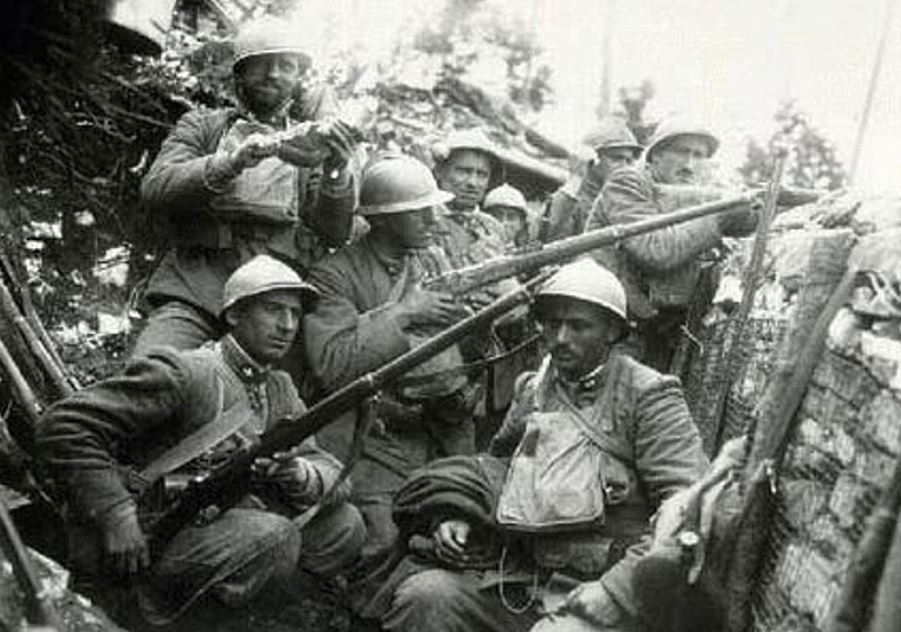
556	479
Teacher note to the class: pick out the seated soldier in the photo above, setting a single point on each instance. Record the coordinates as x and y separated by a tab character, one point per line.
549	539
177	414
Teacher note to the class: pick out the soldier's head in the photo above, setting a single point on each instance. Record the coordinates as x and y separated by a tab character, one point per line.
678	150
263	302
582	313
506	204
398	195
269	64
467	164
614	146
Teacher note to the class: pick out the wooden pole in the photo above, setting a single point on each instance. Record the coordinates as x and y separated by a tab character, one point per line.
871	89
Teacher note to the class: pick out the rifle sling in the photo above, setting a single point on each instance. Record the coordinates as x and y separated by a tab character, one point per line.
226	423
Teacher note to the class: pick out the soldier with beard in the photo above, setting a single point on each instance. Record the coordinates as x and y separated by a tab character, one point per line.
230	191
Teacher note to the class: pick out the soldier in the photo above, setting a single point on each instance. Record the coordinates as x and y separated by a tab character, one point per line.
372	310
467	167
229	192
549	531
662	269
507	205
613	146
172	415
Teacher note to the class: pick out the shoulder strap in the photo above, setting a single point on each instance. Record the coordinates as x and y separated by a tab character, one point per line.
225	424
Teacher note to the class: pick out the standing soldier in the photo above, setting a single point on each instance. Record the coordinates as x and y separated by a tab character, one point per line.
230	187
372	310
614	146
661	270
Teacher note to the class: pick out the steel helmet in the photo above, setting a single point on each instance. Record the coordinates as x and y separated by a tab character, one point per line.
587	280
505	195
669	129
265	274
398	183
613	133
476	139
267	36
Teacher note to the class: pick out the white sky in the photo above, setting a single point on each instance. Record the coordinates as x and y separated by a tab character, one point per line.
729	62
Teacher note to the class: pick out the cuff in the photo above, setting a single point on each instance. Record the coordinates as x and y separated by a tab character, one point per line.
218	172
337	183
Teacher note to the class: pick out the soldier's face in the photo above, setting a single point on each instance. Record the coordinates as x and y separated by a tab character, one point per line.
265	82
411	229
265	325
576	333
466	174
513	219
611	159
680	161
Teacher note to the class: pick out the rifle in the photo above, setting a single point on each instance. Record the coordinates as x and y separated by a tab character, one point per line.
228	483
39	610
466	279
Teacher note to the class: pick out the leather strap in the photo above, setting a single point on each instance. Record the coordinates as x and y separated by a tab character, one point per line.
226	423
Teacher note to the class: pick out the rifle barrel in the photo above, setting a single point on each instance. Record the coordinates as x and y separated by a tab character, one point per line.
465	279
227	481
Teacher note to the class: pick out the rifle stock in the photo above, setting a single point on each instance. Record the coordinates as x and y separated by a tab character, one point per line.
225	484
466	279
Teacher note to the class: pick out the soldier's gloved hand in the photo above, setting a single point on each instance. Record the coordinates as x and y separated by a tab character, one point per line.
125	550
592	602
252	150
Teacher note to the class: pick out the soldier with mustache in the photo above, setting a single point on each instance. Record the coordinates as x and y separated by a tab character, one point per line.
661	270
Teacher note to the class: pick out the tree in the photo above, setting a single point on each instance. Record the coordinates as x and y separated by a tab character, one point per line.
812	161
632	103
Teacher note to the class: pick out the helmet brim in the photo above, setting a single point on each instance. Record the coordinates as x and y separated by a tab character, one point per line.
579	296
309	295
306	58
425	201
713	143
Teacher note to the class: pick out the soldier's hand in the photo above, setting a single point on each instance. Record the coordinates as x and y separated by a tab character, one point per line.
306	148
740	223
421	307
592	602
450	539
254	149
125	547
340	138
293	474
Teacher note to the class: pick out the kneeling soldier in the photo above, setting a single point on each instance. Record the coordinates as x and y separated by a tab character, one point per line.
176	413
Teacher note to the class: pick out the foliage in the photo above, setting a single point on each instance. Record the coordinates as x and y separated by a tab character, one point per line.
473	33
812	161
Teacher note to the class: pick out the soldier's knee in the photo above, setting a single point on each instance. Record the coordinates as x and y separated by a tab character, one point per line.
431	593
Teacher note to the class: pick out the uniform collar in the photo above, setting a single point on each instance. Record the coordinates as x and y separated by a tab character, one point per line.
249	370
393	265
587	383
